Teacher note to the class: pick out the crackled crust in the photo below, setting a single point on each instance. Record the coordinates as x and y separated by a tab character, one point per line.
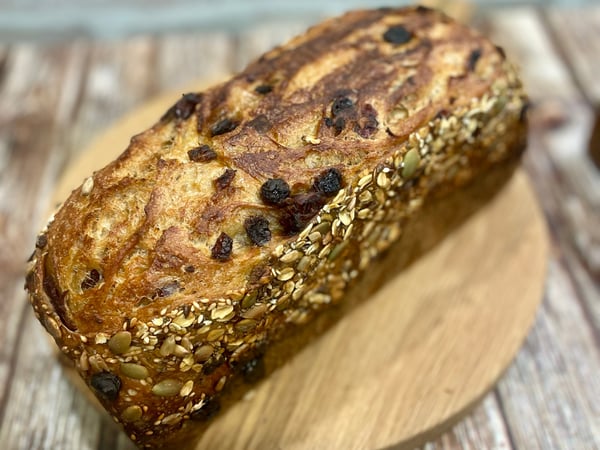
404	105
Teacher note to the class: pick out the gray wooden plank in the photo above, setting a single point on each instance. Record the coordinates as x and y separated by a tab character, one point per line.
265	36
29	96
550	393
577	33
484	428
43	409
185	58
547	394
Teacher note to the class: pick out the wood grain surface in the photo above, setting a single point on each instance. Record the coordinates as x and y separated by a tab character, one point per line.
54	98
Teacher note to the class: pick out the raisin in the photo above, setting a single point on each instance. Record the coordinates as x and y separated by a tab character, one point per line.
225	180
189	269
367	125
184	108
328	182
202	154
41	241
501	51
397	35
300	210
90	280
340	104
473	58
523	112
328	122
274	191
107	385
223	126
210	408
253	370
263	89
257	229
261	124
222	248
339	125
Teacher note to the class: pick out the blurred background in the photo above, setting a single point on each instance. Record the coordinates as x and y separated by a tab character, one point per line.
47	19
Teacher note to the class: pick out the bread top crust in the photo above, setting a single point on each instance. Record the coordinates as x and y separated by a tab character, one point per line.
179	216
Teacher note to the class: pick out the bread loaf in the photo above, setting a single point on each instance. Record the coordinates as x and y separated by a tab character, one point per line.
183	271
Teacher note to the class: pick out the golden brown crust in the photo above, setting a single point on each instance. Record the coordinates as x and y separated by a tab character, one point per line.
167	274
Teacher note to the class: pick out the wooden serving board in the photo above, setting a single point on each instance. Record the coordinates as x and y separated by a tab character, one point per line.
406	364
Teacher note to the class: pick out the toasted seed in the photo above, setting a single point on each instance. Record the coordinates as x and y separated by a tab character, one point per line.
256	311
292	256
87	186
187	388
184	321
383	181
286	274
220	384
249	299
221	312
203	353
245	325
135	371
168	346
337	250
120	342
167	388
132	413
215	334
411	162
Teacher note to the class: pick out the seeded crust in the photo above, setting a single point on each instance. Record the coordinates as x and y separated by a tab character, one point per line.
170	279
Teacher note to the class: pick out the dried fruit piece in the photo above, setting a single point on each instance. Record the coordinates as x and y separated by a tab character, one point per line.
224	181
274	191
328	182
257	229
204	153
397	35
223	126
222	248
106	384
91	280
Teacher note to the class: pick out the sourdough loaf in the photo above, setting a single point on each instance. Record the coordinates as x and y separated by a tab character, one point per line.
223	232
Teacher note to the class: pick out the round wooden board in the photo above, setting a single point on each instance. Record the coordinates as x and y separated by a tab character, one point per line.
406	364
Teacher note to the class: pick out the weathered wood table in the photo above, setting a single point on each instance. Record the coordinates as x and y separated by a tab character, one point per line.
55	97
